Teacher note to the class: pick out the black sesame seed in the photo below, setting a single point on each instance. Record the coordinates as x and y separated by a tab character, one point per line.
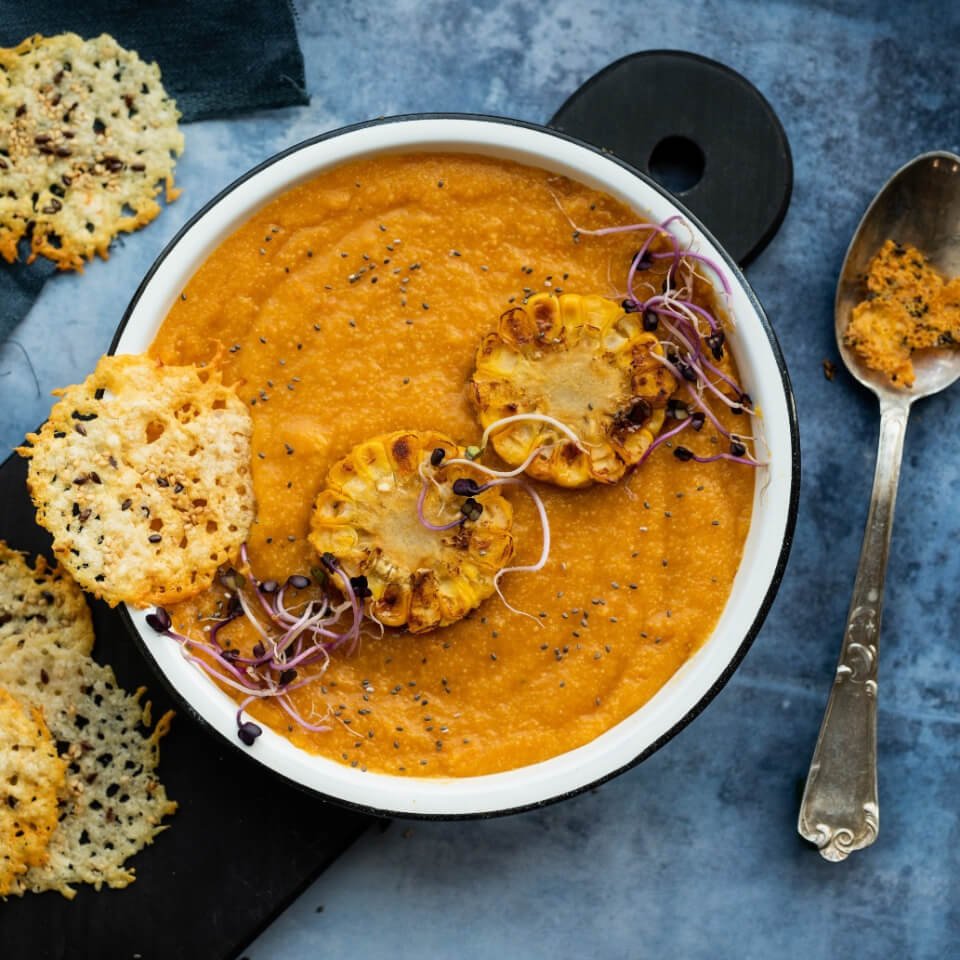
155	538
436	458
682	453
737	448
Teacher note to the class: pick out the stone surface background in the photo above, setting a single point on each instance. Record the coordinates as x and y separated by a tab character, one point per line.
694	853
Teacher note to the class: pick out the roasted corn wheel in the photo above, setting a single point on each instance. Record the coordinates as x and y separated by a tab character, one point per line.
585	362
367	516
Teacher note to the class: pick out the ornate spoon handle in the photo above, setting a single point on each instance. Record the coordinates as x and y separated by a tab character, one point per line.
839	811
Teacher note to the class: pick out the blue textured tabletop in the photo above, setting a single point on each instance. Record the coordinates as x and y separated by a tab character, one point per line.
694	853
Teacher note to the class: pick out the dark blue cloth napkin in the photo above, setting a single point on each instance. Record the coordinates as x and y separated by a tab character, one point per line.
217	57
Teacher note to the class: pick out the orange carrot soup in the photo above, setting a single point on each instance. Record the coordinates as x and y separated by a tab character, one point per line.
353	306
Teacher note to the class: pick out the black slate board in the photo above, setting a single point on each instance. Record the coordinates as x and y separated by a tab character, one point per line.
241	846
671	114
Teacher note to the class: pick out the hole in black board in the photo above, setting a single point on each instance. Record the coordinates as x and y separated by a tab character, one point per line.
676	163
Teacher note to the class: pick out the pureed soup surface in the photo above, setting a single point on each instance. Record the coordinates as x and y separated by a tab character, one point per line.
352	306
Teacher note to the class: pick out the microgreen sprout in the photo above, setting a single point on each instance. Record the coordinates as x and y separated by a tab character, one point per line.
296	636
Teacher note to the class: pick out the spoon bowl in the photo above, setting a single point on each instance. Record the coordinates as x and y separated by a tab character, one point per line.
919	205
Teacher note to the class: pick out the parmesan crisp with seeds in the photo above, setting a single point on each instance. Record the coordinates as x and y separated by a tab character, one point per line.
88	139
142	475
114	803
40	603
909	306
31	777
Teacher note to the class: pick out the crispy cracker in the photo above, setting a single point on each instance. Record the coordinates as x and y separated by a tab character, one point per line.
909	306
42	603
88	138
879	331
114	802
31	779
146	489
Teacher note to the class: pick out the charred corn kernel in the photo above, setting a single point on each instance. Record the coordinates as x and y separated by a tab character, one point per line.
367	517
585	362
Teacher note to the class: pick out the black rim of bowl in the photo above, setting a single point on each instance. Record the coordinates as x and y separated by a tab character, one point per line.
792	508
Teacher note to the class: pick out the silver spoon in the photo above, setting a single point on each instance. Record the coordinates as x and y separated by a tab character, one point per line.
919	205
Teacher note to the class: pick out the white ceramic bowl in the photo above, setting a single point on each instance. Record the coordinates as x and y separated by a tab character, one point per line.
774	509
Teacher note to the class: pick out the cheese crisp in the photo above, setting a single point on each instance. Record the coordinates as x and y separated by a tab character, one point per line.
141	474
78	756
31	776
40	604
88	139
909	306
114	803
